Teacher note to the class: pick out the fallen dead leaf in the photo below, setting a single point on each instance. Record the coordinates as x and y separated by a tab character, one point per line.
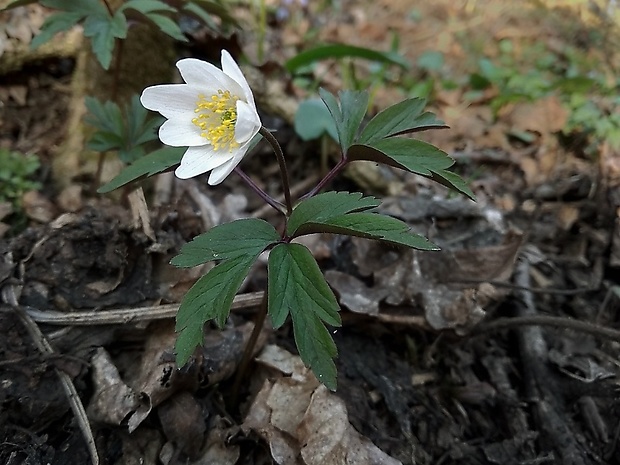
70	198
38	207
217	450
303	422
329	438
544	116
354	294
112	400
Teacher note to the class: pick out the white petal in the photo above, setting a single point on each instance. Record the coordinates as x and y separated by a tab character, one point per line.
181	132
199	160
248	122
221	172
202	74
231	68
172	100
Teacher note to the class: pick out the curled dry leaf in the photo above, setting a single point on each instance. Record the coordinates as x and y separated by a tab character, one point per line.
329	438
112	400
217	451
303	422
451	285
157	377
354	294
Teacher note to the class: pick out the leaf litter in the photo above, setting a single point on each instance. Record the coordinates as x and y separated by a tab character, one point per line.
436	384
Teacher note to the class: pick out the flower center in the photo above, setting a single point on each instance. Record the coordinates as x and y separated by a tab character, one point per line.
216	117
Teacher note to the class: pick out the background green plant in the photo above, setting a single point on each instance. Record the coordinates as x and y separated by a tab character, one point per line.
16	176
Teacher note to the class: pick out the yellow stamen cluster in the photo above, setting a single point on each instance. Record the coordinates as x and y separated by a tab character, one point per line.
216	117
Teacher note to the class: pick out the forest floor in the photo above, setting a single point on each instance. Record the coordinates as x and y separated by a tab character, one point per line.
503	348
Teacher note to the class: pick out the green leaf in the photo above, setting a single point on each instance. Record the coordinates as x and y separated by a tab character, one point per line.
83	6
323	52
147	6
348	115
210	298
152	9
16	3
125	131
401	118
414	156
106	116
431	60
313	120
216	8
369	226
54	24
140	127
297	287
153	163
328	205
167	26
102	30
249	236
103	141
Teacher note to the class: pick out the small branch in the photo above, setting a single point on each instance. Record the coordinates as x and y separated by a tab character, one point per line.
328	177
283	170
543	320
261	193
533	290
127	315
45	348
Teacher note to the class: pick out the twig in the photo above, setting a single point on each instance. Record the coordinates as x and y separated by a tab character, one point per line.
127	315
533	290
543	320
44	347
540	386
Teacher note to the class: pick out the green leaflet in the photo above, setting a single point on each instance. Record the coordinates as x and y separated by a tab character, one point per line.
414	156
210	298
401	118
297	287
370	226
153	163
248	236
348	114
327	205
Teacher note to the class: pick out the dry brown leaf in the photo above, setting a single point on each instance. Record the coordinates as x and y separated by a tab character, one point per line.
354	294
544	116
157	377
217	451
329	438
70	198
303	422
38	207
112	400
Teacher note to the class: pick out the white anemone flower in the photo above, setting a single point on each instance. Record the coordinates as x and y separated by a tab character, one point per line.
213	114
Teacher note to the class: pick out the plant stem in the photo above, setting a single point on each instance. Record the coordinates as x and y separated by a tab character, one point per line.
283	170
328	177
249	349
261	193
